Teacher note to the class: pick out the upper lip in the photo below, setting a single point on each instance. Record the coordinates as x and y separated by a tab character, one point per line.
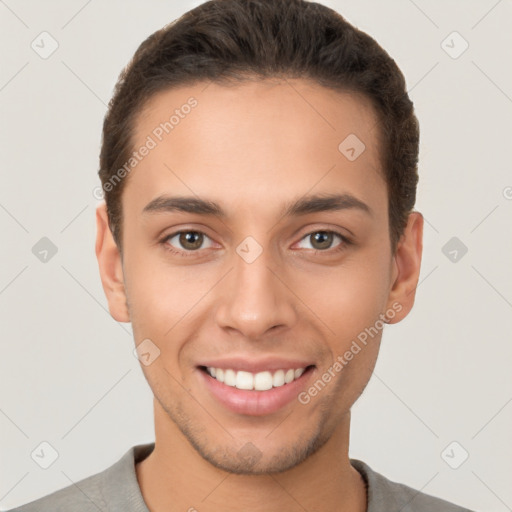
253	365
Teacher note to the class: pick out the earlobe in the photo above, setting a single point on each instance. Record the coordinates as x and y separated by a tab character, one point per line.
406	269
110	266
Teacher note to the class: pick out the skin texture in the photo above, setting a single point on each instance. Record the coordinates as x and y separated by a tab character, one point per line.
253	148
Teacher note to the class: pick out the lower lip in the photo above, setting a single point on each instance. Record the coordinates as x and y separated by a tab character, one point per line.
252	402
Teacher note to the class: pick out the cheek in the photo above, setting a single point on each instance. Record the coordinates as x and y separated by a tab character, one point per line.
348	298
351	311
156	306
349	307
155	296
164	301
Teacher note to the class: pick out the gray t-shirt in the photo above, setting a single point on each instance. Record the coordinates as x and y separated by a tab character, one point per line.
116	489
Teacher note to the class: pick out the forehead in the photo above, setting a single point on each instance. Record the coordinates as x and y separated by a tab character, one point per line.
257	139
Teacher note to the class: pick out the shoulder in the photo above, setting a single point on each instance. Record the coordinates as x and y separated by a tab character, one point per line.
115	488
385	494
83	496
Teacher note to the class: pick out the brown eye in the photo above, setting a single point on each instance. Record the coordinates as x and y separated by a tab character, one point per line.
186	241
191	239
323	240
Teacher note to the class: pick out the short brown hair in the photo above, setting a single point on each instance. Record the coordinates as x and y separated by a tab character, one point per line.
231	40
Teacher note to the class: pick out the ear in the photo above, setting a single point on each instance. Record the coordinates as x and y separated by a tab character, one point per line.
110	265
406	269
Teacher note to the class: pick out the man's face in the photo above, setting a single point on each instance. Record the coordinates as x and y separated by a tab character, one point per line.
257	290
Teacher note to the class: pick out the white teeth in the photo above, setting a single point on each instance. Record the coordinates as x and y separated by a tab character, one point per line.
299	372
261	381
289	376
230	377
244	380
278	379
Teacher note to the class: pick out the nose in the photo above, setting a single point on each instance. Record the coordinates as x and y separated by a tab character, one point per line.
255	298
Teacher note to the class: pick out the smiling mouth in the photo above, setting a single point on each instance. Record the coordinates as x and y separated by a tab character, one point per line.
260	381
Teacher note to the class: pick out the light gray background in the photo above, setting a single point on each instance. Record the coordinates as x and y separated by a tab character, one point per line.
68	374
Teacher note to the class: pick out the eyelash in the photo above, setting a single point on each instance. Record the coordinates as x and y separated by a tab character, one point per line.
186	254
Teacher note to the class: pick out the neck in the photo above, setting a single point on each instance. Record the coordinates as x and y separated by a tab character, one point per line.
174	477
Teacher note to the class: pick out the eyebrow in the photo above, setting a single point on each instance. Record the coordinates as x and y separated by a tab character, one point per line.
302	206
